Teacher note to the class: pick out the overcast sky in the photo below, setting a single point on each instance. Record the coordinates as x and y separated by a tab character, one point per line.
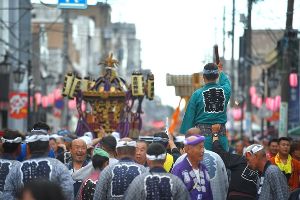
177	36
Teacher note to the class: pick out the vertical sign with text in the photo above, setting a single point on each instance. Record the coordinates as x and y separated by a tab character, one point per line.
18	105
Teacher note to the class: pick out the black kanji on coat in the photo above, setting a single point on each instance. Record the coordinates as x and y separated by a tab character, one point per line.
4	170
32	170
214	100
88	189
122	176
157	187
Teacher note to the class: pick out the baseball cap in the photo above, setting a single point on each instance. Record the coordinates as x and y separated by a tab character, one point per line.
100	152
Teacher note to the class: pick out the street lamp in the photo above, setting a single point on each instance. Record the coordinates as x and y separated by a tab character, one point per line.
19	74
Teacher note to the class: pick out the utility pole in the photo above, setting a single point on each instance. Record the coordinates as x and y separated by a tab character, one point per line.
65	54
263	97
224	32
248	68
287	52
232	99
29	116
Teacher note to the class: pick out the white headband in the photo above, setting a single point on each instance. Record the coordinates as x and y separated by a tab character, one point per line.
254	148
156	157
16	140
34	138
39	131
126	144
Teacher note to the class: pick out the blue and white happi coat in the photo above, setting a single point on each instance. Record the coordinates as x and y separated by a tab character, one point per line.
5	167
115	179
157	184
35	169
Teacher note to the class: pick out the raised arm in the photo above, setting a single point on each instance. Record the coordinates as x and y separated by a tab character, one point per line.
230	160
225	83
189	115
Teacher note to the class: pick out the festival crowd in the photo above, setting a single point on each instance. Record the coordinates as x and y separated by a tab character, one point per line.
198	165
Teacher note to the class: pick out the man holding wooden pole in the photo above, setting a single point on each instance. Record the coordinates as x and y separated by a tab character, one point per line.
208	105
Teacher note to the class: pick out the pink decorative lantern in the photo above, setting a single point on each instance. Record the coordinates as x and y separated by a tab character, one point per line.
293	79
57	94
277	102
237	114
72	104
258	102
270	104
45	102
252	90
253	99
38	98
273	106
51	98
83	107
31	101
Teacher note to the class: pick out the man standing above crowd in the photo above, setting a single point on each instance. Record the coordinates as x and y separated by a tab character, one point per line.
157	183
289	166
116	178
39	166
272	184
192	172
208	105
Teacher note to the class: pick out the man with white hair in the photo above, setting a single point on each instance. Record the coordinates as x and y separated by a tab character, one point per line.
116	178
272	184
192	172
38	166
243	180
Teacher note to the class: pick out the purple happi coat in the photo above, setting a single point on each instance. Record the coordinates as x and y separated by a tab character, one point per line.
198	189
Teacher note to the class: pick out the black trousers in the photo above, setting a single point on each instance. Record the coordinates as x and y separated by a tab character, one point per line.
236	197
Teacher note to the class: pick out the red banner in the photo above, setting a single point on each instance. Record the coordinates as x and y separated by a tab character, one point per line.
18	105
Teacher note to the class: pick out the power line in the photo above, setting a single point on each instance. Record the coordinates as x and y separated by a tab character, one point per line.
17	8
9	29
43	32
13	24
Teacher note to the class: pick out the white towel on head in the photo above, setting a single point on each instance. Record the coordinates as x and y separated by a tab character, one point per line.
35	138
116	135
89	134
126	144
87	140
